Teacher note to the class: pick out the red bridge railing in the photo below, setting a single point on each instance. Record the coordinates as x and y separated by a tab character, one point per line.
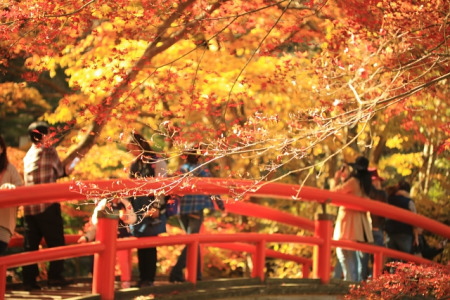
104	248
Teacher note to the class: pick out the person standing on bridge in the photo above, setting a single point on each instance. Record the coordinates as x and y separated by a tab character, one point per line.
42	165
401	235
123	208
351	224
379	194
9	179
191	212
151	219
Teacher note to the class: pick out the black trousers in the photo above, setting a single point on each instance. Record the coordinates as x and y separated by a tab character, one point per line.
147	259
47	225
192	223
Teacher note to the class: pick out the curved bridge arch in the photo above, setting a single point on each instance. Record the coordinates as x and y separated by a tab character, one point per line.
80	190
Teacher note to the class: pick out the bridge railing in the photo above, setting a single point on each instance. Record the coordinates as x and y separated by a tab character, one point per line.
106	245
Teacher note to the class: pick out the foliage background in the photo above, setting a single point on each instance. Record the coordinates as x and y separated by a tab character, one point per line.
272	90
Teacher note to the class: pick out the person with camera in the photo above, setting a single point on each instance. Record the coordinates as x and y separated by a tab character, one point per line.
151	221
123	208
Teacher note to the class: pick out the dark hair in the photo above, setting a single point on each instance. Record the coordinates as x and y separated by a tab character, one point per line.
360	171
404	186
3	156
365	180
37	130
192	158
192	155
391	190
147	151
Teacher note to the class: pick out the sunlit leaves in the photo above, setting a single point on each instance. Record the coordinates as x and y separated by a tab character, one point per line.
18	96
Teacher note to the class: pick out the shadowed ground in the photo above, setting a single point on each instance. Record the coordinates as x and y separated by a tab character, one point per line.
224	289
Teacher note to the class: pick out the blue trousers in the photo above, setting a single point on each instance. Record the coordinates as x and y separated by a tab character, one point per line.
354	264
191	224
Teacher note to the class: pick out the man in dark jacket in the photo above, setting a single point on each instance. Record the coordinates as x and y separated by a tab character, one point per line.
401	235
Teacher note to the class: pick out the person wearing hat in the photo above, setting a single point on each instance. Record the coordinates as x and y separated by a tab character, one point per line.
43	220
351	224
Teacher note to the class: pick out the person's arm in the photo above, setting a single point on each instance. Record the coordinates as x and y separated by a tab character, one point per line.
350	186
160	167
219	202
215	198
89	235
416	230
16	179
412	207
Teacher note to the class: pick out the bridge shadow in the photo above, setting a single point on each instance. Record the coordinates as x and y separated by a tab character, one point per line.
217	289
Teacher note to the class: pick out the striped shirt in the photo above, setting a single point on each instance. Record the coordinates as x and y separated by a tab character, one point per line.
41	165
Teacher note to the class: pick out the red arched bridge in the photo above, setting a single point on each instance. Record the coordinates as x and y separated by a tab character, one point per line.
105	247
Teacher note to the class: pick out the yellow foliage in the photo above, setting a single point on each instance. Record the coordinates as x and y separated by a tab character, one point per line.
62	114
16	96
395	142
403	163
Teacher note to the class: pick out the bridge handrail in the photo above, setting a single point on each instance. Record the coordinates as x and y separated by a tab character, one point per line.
15	260
126	188
214	240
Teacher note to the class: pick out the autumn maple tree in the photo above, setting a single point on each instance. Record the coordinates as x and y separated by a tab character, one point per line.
272	90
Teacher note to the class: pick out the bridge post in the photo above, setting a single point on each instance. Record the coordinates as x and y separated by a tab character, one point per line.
2	281
378	259
322	252
104	261
259	260
192	257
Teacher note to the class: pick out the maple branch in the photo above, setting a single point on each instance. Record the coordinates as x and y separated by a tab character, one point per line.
156	47
416	89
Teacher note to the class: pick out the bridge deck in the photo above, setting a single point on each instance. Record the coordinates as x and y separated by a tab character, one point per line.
236	289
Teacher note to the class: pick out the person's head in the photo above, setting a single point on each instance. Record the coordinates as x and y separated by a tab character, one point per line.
138	145
360	164
404	186
3	156
192	155
37	131
360	171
